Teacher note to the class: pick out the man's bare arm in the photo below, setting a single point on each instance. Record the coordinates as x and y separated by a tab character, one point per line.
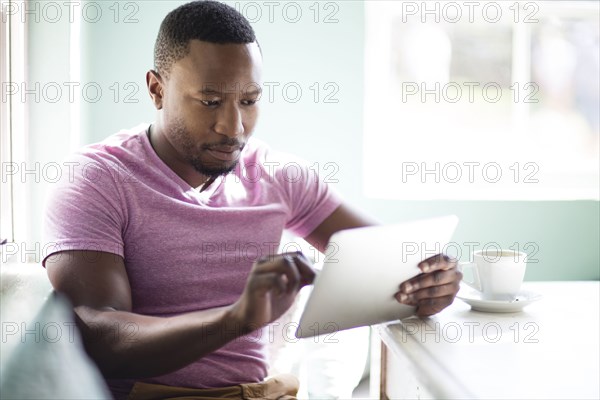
344	217
129	345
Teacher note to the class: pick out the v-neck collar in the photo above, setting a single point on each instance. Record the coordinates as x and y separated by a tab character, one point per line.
206	194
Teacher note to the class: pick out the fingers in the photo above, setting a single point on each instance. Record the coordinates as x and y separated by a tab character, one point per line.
288	272
307	273
281	272
432	279
431	292
268	281
434	289
437	262
428	307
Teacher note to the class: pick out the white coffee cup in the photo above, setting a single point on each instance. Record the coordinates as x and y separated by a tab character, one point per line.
498	274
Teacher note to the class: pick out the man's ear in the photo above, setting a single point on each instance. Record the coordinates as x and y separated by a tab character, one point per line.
155	88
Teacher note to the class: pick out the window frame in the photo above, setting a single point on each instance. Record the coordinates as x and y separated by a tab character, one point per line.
13	132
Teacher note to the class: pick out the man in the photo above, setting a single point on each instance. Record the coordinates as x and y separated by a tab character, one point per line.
166	234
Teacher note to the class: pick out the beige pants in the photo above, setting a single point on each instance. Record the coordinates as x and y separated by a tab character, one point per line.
280	387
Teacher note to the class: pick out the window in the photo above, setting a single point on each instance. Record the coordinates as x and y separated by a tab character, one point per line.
6	232
31	107
482	100
12	128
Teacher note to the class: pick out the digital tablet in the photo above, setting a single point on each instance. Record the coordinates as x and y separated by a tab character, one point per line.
363	270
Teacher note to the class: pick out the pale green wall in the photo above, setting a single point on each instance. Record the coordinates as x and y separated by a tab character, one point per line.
566	232
47	64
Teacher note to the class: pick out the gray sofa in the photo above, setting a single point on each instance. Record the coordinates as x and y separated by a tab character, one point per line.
41	352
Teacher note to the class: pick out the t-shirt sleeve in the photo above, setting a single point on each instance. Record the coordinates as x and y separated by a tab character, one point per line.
310	199
83	211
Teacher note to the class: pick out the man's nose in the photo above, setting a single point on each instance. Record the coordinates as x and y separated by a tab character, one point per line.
229	121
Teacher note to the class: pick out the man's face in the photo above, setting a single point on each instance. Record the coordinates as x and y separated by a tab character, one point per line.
209	105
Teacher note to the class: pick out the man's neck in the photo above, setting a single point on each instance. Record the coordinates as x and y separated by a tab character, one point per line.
167	154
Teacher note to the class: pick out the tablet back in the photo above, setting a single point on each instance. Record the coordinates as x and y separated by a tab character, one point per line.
363	270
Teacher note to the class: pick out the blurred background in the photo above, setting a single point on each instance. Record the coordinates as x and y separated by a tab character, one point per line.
409	109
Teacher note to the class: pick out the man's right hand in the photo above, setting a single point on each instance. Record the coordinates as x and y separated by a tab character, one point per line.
271	289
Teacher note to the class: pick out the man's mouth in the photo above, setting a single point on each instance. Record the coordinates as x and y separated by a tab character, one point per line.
225	153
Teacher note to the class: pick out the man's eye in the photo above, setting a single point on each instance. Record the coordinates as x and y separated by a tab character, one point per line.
249	102
210	103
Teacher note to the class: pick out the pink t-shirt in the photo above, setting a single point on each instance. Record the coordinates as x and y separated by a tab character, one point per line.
185	250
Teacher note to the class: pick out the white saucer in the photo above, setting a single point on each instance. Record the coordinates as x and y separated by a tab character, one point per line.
473	298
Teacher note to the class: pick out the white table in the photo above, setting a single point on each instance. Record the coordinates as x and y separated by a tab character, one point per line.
550	350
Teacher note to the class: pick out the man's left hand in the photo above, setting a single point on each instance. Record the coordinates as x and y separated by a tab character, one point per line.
434	289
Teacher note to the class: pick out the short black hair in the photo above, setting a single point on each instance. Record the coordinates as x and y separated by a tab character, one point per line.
206	20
